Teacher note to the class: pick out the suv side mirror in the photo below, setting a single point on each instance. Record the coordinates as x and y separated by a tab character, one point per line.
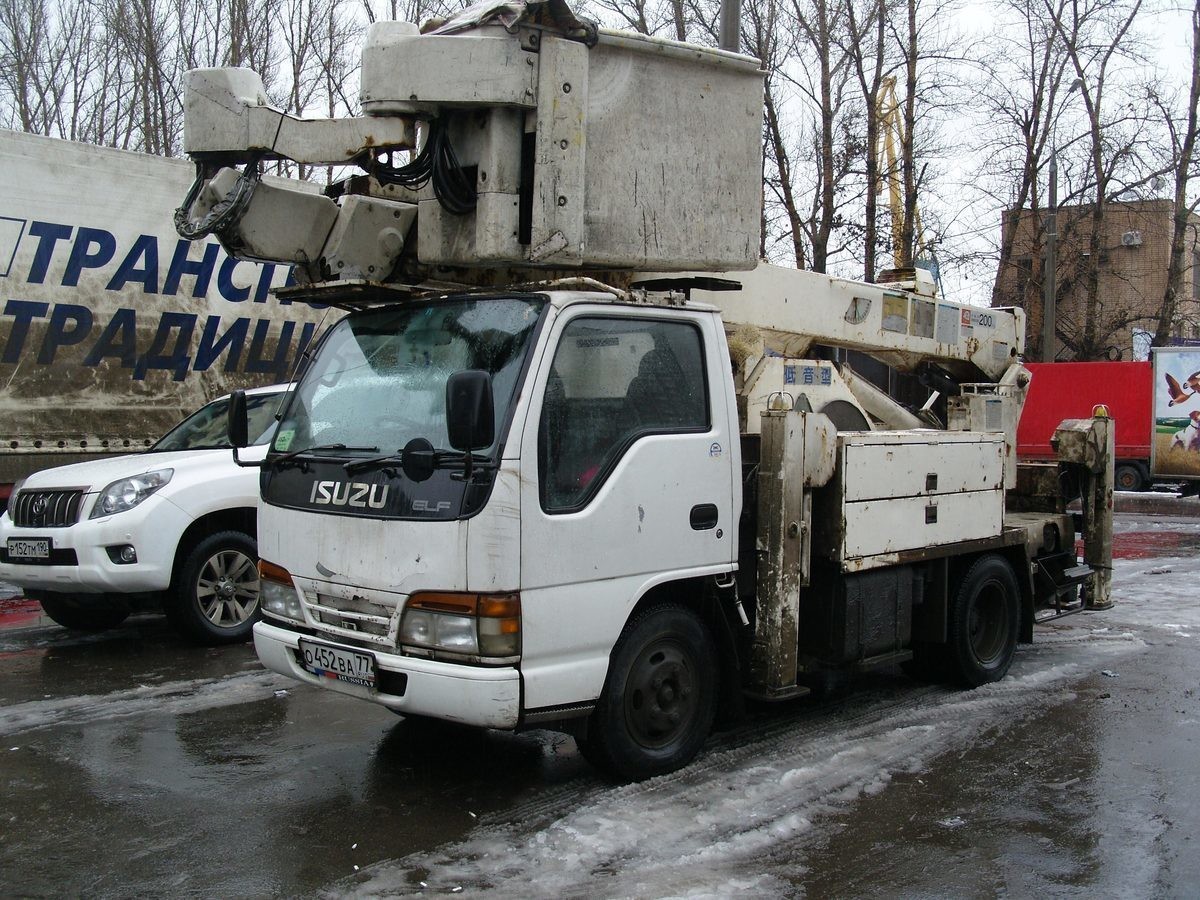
470	412
239	424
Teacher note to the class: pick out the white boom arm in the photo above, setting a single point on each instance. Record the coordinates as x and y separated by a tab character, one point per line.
905	325
794	309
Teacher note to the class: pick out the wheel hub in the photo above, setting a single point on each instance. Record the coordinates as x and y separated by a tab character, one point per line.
227	589
660	695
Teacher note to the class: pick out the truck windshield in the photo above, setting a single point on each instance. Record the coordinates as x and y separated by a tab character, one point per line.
379	379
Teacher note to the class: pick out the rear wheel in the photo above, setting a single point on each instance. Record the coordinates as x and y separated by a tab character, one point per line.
659	700
70	613
215	597
984	621
1128	477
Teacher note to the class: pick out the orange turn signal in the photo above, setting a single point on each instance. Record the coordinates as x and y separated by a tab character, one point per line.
271	572
489	606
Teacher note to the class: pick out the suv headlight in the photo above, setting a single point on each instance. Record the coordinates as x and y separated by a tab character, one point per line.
129	492
12	496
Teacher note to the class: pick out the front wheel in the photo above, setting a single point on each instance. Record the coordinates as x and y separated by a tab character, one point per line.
984	620
659	699
90	617
215	597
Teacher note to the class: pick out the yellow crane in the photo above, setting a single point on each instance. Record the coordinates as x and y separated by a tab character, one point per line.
891	133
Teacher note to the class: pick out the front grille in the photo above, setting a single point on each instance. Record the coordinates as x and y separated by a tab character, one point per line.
356	619
46	509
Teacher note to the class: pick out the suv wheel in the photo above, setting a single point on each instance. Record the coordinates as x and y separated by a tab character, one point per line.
215	597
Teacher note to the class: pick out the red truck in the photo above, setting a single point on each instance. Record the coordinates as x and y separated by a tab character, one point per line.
1070	390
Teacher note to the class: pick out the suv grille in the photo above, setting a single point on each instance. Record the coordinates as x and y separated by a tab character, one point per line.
46	509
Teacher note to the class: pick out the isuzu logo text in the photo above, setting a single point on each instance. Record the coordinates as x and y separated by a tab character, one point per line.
348	493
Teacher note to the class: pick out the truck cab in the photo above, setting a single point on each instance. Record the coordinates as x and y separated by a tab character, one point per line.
615	444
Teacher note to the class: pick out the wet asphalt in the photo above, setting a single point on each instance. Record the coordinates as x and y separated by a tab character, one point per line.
134	764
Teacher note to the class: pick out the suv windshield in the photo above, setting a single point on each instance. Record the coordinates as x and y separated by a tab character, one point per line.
207	427
379	379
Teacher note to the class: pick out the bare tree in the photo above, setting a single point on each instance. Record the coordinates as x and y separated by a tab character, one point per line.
819	25
1095	34
1018	105
761	39
25	31
1182	165
866	49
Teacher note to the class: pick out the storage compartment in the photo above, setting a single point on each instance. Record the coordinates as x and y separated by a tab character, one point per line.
855	617
907	491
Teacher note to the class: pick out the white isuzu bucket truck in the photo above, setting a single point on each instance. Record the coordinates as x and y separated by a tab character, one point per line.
552	470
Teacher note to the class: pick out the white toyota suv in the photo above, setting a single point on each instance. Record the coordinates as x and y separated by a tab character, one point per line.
173	527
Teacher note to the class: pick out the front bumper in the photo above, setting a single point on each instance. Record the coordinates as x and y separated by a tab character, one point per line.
470	695
153	528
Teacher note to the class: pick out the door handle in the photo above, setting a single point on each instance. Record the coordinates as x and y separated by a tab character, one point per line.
704	516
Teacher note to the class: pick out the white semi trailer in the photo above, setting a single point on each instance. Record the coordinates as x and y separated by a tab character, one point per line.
620	498
112	327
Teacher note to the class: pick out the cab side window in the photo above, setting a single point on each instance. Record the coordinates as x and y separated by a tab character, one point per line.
612	381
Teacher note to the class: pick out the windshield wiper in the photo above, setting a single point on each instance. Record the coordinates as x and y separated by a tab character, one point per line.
289	458
433	459
378	462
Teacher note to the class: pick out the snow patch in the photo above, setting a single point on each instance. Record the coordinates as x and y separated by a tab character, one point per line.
177	698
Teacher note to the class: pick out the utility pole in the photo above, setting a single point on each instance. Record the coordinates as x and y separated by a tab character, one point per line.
1049	273
731	26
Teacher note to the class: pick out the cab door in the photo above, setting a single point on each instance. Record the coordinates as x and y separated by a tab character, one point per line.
627	482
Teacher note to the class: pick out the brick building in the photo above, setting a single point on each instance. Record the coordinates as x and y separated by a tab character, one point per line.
1135	248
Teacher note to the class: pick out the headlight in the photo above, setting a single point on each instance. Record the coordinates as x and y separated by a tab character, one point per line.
439	630
12	496
277	593
486	627
129	492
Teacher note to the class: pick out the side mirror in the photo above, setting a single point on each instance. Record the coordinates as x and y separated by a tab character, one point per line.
239	424
470	412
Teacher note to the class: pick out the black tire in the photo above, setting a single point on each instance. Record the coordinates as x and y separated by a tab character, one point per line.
983	623
214	599
659	698
77	616
1128	477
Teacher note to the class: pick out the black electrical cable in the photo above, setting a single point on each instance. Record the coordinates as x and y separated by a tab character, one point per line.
454	189
437	162
226	211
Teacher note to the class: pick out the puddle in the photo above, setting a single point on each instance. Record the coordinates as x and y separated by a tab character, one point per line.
16	612
1151	544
